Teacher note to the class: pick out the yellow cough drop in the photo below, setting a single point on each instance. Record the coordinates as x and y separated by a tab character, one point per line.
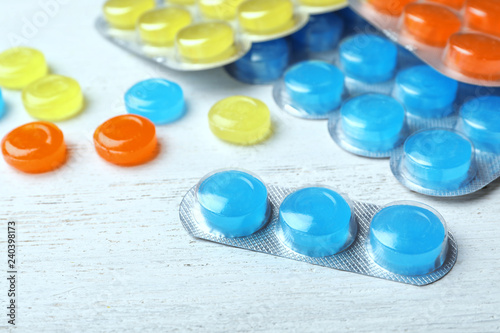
240	120
160	26
219	9
123	14
206	42
322	3
264	17
20	66
53	98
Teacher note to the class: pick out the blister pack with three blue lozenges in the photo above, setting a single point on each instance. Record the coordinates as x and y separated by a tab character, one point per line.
404	241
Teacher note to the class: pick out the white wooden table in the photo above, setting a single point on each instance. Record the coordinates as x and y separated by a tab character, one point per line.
102	248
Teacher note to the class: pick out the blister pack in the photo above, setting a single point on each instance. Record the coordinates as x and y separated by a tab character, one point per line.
445	162
405	241
459	38
191	35
266	62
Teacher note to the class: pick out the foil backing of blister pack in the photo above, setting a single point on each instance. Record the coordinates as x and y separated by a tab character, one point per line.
434	56
130	41
355	259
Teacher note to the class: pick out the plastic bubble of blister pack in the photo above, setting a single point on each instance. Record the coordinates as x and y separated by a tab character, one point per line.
459	38
404	241
204	34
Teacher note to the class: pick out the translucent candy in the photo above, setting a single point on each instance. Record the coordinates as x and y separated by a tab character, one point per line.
2	105
123	14
317	222
425	92
20	66
359	61
321	3
181	2
159	100
232	203
126	140
35	147
373	122
264	17
483	15
481	122
390	7
438	159
430	24
160	26
206	42
264	63
315	86
455	4
474	55
240	120
53	98
408	239
321	34
219	9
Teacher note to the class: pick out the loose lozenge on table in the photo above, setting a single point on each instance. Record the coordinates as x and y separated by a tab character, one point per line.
20	66
35	147
126	140
240	120
53	98
159	100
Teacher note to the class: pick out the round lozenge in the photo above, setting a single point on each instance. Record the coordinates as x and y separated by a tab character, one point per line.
159	27
126	140
233	203
219	9
264	63
35	147
159	100
321	3
182	2
482	15
123	14
240	120
317	222
20	66
265	17
424	92
373	122
321	34
438	159
53	98
408	238
206	42
481	122
390	7
474	55
430	24
455	4
360	62
316	87
2	105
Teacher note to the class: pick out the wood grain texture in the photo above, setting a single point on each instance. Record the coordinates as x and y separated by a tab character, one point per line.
102	248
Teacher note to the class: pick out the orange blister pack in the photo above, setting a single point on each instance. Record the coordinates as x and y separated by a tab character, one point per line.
459	38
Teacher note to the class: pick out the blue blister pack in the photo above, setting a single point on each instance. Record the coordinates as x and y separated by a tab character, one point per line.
404	241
